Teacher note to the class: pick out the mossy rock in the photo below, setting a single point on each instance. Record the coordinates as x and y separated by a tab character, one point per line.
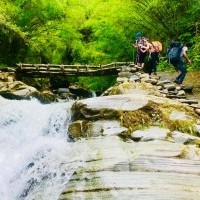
159	114
10	95
78	129
45	97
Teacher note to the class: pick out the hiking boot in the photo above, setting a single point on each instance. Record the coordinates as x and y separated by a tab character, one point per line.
176	81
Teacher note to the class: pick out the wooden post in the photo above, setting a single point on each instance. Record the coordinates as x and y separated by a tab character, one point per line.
37	67
62	68
77	69
20	66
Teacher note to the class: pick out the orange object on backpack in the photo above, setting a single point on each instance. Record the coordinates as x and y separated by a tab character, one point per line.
157	45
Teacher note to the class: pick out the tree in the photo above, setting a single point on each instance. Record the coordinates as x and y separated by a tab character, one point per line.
13	42
91	31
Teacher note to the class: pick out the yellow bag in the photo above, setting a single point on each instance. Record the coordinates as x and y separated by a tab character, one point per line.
157	45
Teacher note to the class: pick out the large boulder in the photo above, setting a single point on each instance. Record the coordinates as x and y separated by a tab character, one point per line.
12	89
16	90
156	169
88	129
134	112
80	91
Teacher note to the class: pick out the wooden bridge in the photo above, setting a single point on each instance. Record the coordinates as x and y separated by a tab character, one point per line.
48	70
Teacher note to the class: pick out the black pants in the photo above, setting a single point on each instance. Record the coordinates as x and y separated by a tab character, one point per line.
153	62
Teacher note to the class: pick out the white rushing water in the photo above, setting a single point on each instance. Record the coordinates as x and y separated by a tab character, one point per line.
36	159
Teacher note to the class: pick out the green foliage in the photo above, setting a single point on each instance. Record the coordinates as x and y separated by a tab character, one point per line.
195	54
97	83
164	65
92	31
39	83
12	39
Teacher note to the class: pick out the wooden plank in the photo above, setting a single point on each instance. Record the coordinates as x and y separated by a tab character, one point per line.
57	65
29	69
40	70
57	69
70	72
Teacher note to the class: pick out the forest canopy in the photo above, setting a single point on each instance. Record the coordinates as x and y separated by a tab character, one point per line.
92	31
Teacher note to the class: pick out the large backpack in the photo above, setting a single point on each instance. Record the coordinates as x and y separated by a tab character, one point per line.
157	46
174	53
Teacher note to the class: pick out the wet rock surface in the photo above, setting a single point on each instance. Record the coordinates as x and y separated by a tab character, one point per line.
138	143
139	140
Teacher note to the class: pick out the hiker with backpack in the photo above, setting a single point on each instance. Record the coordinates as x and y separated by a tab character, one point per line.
142	47
175	55
154	49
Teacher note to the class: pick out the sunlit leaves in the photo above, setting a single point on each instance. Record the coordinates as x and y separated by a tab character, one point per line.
92	31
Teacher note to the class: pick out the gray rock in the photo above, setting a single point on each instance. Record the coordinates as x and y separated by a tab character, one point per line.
61	90
159	87
125	74
197	110
134	78
165	91
187	89
170	87
189	101
105	128
145	170
161	83
198	129
122	79
125	68
153	133
179	137
178	115
152	81
181	93
108	106
144	76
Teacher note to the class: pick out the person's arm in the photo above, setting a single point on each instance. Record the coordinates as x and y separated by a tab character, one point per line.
134	45
186	56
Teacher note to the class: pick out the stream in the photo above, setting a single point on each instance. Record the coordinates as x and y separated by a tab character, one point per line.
36	159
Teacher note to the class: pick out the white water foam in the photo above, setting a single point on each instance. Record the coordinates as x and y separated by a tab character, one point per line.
36	160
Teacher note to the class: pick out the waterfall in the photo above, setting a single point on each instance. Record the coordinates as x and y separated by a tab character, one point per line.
93	94
36	159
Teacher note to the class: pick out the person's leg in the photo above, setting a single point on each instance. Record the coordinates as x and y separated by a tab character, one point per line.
175	67
139	57
154	61
143	55
150	66
180	66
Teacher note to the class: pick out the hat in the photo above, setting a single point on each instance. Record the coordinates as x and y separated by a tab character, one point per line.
138	35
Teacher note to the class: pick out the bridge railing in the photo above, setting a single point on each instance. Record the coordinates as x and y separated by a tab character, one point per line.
42	69
57	66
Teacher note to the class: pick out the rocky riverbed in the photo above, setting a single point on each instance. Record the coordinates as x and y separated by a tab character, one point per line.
139	140
192	79
140	144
